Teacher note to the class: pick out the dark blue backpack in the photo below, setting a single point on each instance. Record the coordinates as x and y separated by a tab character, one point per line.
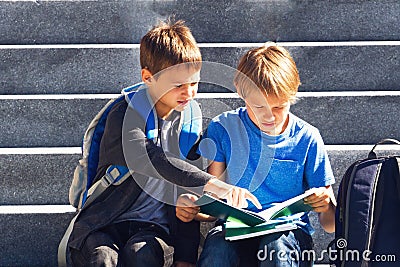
368	213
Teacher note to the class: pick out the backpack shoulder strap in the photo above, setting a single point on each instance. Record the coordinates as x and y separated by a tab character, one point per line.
190	127
115	175
138	99
93	136
396	174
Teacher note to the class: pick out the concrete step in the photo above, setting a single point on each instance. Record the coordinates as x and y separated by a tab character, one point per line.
32	238
44	22
61	120
72	69
42	176
37	176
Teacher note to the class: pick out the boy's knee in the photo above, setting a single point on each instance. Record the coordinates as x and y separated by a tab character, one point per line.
219	256
217	251
215	242
104	256
283	248
150	251
100	256
280	241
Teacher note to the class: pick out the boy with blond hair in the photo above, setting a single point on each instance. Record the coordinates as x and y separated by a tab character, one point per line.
134	223
269	151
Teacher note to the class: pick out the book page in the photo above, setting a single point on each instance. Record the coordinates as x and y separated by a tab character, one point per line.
288	207
237	231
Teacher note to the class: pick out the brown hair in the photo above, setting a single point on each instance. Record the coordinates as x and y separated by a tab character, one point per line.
269	68
167	44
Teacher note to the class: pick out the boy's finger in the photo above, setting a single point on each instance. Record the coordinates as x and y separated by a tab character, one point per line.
236	201
229	199
316	198
310	199
191	210
186	202
187	213
242	199
253	199
319	202
193	198
320	207
183	217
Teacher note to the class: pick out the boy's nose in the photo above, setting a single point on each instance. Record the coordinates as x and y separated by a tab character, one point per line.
189	90
268	115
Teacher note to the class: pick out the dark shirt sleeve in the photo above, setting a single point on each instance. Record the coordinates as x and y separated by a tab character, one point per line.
125	143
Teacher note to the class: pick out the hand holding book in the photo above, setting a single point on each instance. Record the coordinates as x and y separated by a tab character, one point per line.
185	209
244	224
219	209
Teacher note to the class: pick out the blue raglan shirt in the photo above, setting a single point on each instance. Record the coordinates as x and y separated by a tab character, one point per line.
273	168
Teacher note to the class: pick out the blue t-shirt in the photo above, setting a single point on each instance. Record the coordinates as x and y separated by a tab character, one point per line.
273	168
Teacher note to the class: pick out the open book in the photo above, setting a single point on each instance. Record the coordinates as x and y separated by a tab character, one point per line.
237	230
243	223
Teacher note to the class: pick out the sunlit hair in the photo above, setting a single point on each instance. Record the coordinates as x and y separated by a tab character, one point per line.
168	44
269	68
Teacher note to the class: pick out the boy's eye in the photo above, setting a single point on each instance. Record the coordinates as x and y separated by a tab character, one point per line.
280	107
191	84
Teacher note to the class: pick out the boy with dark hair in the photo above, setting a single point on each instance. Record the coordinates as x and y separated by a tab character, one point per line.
133	223
268	150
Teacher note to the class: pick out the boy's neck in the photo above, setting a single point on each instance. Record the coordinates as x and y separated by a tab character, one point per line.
162	111
284	126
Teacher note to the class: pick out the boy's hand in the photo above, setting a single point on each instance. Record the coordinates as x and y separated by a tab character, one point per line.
235	196
186	210
321	200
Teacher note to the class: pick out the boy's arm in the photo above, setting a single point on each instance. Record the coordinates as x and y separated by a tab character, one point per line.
186	210
125	143
217	169
324	202
317	166
146	158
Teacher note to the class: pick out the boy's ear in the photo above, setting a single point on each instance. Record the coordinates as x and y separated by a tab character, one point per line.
239	93
147	77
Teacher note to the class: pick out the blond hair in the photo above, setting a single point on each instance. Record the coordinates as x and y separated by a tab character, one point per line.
269	68
168	44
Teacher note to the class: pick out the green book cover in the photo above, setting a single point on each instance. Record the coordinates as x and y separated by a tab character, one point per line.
219	209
